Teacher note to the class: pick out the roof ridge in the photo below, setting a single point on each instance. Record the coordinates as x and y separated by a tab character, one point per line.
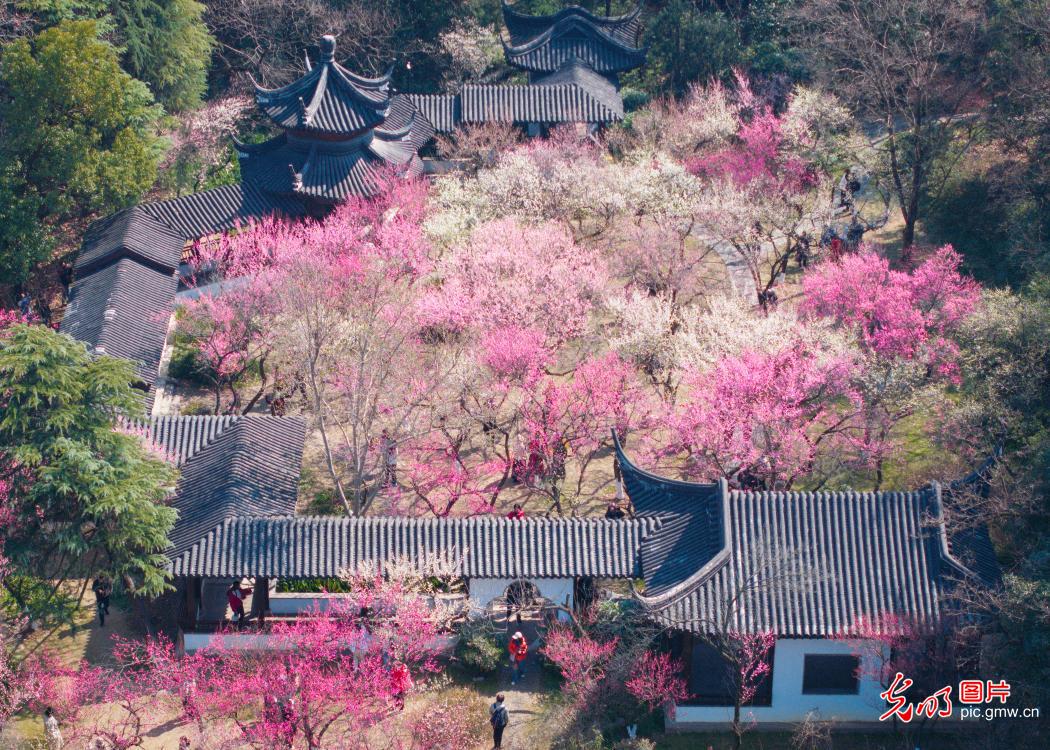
943	547
626	462
560	27
570	10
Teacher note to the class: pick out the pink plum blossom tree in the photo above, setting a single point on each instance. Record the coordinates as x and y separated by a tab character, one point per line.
657	682
515	275
581	661
763	419
906	324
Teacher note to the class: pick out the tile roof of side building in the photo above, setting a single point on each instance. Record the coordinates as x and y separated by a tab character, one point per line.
797	563
522	27
124	291
230	468
122	310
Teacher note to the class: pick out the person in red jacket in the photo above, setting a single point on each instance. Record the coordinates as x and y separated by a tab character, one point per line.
517	513
235	595
519	649
400	683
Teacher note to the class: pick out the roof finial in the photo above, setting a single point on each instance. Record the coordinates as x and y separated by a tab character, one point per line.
327	48
297	179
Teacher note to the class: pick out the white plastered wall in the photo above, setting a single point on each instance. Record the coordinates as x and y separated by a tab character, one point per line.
483	590
789	704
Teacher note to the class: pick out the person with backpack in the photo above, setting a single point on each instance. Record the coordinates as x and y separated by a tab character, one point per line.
499	717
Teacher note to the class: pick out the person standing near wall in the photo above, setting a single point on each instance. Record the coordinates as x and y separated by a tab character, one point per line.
519	649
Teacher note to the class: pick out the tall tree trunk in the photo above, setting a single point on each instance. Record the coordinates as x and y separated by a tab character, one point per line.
323	428
738	735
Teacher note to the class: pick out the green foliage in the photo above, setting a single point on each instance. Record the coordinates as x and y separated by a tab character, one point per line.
88	496
167	45
634	99
687	45
979	218
1021	648
481	647
185	364
694	42
24	241
51	12
312	586
78	136
36	600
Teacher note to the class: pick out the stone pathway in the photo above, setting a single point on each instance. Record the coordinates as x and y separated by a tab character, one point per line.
523	698
739	275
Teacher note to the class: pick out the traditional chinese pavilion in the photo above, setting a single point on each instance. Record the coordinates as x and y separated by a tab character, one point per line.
573	59
341	131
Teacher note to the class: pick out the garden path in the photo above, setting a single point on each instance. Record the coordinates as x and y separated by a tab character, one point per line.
523	699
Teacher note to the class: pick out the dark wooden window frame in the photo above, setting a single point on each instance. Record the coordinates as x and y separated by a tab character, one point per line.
816	667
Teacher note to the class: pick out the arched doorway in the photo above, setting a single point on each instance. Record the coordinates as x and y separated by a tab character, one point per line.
521	595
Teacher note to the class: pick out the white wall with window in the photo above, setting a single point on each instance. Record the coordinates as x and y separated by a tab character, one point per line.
484	590
816	675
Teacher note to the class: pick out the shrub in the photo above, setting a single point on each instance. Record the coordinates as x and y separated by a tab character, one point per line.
311	586
480	646
196	406
638	743
634	99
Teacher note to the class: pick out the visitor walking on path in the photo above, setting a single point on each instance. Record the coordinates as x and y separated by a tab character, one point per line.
400	684
51	731
499	717
103	589
517	513
518	649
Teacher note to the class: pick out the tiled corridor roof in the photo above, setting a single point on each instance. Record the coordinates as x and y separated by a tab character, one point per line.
481	546
122	310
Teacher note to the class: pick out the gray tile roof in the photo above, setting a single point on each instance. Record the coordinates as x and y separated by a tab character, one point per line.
522	27
555	103
574	93
797	563
440	110
219	210
131	233
127	262
969	542
328	99
123	310
597	87
334	171
483	546
572	35
182	437
250	468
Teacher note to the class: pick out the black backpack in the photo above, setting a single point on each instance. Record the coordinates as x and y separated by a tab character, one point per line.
499	717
